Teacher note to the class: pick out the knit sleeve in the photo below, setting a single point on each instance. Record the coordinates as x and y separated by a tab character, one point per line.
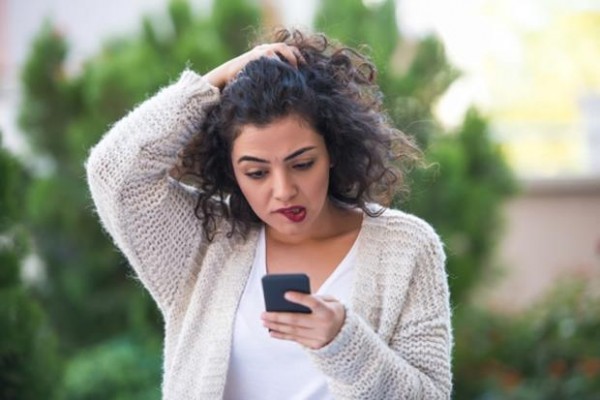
415	364
150	217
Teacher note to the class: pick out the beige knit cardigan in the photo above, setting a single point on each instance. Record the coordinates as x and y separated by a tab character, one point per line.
396	340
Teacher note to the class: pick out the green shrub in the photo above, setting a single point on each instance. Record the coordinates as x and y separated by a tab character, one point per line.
29	363
119	369
550	352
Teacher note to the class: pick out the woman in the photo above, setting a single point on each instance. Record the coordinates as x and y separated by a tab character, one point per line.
288	150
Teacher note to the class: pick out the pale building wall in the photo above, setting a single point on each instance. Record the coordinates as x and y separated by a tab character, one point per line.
552	232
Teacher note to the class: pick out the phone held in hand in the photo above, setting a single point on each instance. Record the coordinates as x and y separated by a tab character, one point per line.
276	285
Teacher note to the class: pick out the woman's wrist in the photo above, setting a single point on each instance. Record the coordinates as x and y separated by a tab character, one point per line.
218	76
224	73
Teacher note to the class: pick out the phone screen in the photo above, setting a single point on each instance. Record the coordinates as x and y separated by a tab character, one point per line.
275	286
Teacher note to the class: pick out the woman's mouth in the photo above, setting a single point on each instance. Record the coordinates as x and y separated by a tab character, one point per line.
294	214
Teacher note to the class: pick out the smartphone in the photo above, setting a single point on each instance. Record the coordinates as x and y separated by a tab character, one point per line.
275	286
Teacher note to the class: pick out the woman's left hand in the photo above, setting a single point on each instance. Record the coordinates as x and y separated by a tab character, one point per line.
313	330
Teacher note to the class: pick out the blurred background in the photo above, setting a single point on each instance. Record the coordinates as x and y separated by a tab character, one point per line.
504	98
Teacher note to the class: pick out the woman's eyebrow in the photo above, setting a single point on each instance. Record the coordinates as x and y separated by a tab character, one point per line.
299	152
250	158
287	158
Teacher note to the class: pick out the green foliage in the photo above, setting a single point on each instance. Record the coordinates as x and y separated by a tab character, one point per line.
550	352
414	92
29	363
461	193
46	85
233	21
87	285
410	90
359	25
11	189
88	292
119	369
12	240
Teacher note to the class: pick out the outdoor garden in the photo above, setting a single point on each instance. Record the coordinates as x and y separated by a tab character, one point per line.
76	325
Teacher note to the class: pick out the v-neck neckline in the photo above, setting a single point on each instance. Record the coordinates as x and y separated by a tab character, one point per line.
341	267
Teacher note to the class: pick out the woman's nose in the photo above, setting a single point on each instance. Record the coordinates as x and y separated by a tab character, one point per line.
284	188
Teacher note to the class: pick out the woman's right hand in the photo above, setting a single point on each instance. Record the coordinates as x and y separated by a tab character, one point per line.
224	73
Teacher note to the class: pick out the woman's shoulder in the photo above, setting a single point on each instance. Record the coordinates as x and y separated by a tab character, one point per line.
394	225
224	236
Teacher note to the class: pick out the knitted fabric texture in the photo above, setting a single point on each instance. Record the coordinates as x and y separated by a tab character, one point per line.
396	340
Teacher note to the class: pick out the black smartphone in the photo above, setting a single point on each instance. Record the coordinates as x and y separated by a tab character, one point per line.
275	286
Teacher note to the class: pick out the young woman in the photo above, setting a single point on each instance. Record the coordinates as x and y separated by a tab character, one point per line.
277	162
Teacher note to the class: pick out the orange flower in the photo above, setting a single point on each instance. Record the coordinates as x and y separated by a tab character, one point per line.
590	367
510	379
558	368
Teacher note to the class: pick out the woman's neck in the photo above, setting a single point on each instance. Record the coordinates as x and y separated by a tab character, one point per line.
335	221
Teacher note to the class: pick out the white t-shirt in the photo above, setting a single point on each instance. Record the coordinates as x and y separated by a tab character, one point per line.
264	368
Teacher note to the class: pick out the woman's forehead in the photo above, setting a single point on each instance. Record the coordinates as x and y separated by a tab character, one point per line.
278	139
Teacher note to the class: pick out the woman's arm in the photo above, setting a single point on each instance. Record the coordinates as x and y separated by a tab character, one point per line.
150	217
416	364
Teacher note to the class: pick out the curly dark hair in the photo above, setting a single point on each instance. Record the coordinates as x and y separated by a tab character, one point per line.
334	91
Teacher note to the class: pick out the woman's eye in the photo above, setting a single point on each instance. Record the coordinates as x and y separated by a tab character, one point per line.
304	165
256	174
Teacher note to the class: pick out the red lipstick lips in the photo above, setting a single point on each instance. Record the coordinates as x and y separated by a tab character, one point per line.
294	213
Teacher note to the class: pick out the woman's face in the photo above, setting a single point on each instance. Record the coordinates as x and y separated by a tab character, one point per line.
283	171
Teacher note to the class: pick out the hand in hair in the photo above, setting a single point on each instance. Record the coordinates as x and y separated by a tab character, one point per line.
224	73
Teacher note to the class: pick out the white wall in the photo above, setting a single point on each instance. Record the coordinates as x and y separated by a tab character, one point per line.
552	234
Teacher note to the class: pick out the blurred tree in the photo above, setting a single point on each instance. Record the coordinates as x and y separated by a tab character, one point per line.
461	192
85	296
29	363
89	299
64	116
412	74
45	81
117	369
